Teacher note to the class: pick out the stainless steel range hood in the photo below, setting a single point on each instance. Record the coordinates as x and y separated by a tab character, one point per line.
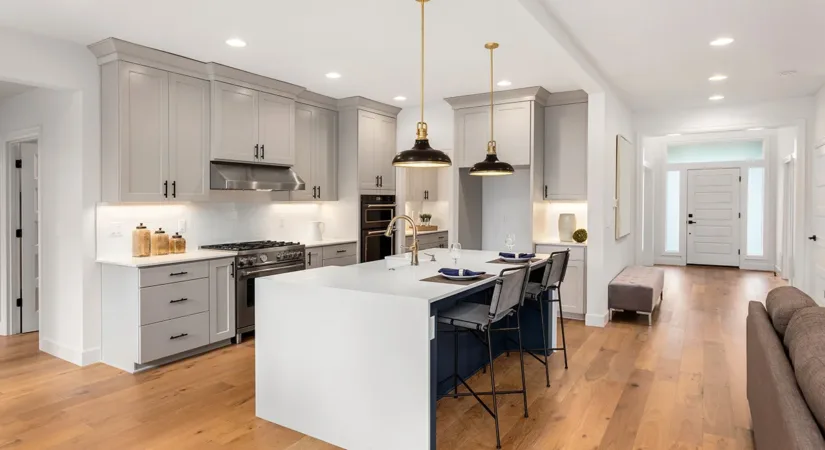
253	177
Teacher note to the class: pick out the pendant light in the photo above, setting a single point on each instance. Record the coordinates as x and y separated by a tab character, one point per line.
491	166
422	155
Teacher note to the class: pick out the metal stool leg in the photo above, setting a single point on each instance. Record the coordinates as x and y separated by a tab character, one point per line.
493	385
521	360
540	299
455	363
561	316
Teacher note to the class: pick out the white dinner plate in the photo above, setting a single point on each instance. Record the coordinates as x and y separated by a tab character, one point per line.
460	278
515	260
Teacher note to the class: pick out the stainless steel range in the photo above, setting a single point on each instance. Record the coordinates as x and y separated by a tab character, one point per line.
258	259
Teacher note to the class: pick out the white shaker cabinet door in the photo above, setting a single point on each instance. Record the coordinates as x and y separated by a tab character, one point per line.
565	152
572	289
513	132
385	153
314	257
368	131
325	155
188	138
305	142
144	138
221	299
234	123
276	129
473	133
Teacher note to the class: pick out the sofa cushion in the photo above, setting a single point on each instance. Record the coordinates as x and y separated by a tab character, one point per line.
782	303
805	340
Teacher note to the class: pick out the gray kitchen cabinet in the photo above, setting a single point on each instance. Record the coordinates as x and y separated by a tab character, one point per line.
221	299
438	239
513	133
376	149
565	157
252	126
316	145
154	130
332	255
342	261
574	287
422	184
315	257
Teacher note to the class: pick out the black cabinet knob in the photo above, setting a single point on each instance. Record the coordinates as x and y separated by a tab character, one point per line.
691	222
813	238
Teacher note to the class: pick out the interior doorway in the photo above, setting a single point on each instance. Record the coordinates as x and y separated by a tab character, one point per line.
713	215
788	219
25	229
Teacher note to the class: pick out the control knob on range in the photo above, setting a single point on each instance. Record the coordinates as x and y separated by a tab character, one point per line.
263	258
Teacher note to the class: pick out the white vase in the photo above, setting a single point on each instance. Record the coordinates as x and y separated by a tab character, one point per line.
567	224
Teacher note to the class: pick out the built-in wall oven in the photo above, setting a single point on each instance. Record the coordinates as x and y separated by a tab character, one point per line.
377	212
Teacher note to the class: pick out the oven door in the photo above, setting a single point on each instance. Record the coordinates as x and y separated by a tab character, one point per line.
375	246
246	291
377	215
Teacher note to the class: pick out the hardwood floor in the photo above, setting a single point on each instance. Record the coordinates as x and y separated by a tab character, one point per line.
677	385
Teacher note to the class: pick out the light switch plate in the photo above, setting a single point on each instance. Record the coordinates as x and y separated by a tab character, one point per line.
181	225
116	229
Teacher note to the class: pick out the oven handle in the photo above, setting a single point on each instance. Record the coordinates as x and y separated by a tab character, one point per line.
274	270
382	206
376	233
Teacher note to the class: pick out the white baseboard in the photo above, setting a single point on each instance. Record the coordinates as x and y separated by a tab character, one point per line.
596	320
91	356
53	348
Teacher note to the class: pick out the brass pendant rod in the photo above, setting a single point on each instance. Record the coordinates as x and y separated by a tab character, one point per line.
422	61
491	95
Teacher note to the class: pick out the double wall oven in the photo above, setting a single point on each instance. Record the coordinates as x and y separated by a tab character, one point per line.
377	212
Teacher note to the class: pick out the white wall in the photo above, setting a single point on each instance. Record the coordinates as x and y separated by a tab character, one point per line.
69	119
819	121
785	147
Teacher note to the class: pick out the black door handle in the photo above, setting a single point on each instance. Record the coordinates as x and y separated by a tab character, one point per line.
813	238
174	189
256	151
263	153
691	222
166	189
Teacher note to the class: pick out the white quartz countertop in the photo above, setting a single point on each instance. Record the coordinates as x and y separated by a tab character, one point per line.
394	276
409	232
325	242
562	244
194	255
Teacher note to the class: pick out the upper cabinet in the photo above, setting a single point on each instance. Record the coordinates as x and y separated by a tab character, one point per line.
154	130
316	149
252	126
517	123
422	184
565	156
376	149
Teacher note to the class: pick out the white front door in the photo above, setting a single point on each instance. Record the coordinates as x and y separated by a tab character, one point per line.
816	239
713	217
29	213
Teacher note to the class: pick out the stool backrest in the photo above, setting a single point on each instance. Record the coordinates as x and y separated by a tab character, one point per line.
556	269
509	291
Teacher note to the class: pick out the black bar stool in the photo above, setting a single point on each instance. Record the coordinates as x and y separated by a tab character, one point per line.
553	276
478	319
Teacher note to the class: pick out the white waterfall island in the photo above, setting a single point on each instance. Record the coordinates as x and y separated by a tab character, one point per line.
349	355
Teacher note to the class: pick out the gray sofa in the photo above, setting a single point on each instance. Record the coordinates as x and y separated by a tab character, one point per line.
786	371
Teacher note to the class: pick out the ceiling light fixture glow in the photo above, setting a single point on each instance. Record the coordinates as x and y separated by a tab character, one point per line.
716	98
504	83
333	75
236	42
721	42
400	98
718	77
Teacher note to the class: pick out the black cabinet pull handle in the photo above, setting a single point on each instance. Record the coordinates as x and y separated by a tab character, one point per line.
166	189
309	254
341	251
179	336
314	195
376	181
256	151
545	191
232	270
813	238
263	154
691	222
179	300
319	191
382	180
177	274
174	189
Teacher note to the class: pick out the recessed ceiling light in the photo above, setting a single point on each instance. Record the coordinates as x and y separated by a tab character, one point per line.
756	129
400	98
718	77
333	75
504	83
716	98
236	42
721	42
674	134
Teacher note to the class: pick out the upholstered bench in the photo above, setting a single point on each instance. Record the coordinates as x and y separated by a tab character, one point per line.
636	288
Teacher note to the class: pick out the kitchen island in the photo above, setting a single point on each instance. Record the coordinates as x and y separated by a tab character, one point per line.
350	355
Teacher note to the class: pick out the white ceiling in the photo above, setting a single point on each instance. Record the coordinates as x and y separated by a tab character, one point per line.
657	52
374	44
8	89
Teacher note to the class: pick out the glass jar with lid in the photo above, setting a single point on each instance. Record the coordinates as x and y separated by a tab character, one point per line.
177	244
141	241
160	243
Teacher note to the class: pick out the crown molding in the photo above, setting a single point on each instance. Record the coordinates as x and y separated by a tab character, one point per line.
366	104
318	100
536	94
567	98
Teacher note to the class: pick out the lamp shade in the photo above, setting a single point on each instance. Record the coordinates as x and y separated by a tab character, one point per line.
491	166
422	155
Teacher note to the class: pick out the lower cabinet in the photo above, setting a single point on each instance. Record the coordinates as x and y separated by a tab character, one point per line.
574	287
154	315
332	255
428	241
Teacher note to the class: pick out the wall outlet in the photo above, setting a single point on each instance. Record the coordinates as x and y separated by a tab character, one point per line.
181	225
116	229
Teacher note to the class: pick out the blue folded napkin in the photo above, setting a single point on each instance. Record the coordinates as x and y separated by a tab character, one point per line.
460	272
520	255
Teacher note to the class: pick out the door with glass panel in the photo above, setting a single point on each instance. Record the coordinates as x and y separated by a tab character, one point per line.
713	217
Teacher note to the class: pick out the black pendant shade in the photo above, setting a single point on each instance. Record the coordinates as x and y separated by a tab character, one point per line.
421	155
491	166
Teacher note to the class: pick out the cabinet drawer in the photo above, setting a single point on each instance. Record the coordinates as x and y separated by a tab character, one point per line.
576	253
170	301
174	336
429	239
342	261
339	251
153	276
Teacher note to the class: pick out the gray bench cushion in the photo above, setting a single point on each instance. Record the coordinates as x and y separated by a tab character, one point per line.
636	288
805	340
782	303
